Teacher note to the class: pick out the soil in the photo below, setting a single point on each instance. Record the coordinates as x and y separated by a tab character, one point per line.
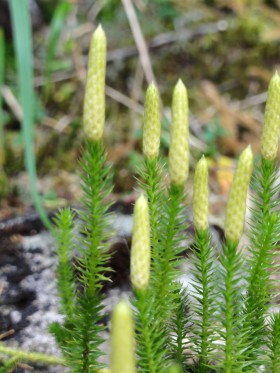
28	302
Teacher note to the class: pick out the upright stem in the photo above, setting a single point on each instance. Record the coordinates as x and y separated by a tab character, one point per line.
203	274
231	310
146	337
152	190
275	343
168	256
264	236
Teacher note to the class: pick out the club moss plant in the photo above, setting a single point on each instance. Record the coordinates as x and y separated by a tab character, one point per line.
223	322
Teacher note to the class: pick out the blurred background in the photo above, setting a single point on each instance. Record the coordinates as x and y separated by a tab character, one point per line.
225	51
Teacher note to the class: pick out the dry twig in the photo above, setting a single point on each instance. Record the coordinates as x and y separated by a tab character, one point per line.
139	41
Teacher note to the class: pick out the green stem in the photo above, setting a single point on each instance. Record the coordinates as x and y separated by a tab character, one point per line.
96	187
146	340
231	310
275	343
33	357
168	254
264	234
152	190
179	320
64	234
204	274
84	333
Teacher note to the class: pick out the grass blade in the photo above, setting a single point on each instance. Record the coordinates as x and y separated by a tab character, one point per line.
3	176
21	25
2	67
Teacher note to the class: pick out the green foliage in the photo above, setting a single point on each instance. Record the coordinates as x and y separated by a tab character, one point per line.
167	12
221	325
16	356
205	294
109	10
167	218
9	365
264	234
157	304
274	342
79	336
212	132
230	307
151	182
178	325
167	250
151	337
65	274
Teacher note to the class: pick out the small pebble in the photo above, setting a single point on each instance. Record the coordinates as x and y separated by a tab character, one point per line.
15	317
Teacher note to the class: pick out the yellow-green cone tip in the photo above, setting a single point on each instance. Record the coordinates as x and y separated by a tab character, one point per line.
122	339
179	147
270	134
140	247
236	206
151	130
94	101
200	196
180	82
